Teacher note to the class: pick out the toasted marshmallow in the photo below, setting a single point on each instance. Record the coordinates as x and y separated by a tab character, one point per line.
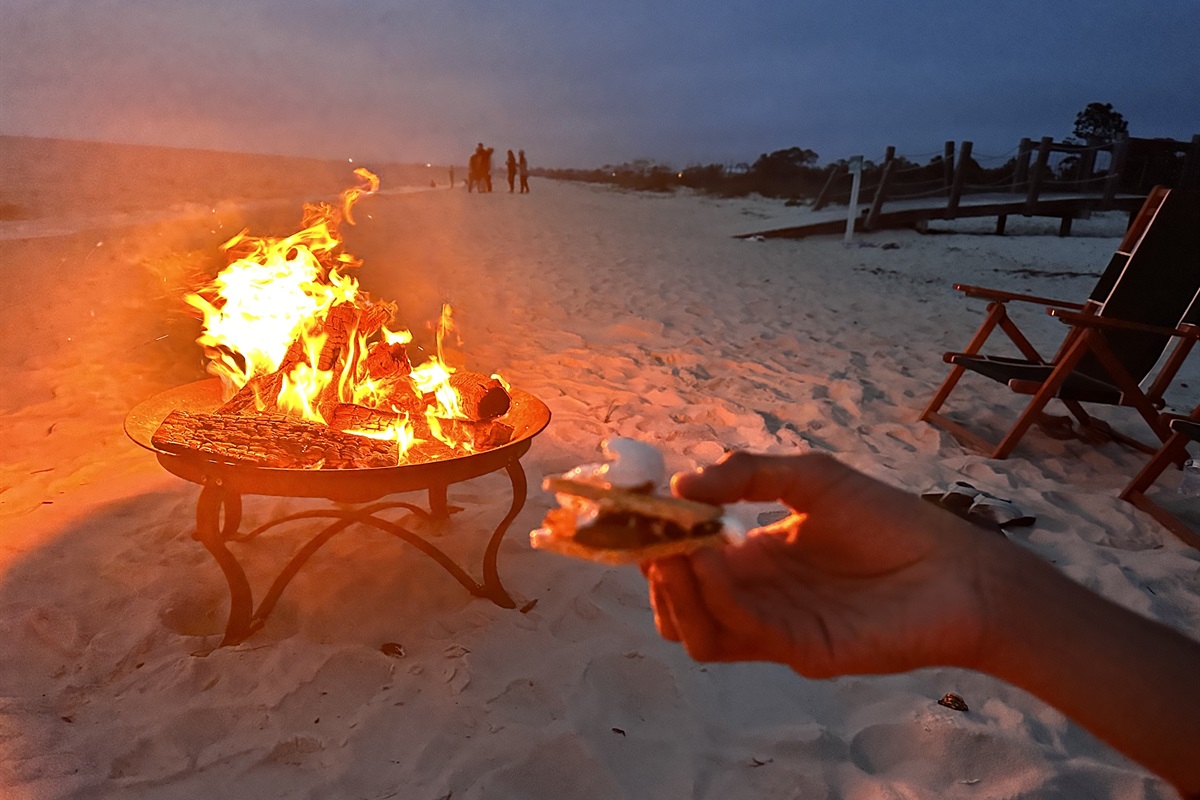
629	464
632	464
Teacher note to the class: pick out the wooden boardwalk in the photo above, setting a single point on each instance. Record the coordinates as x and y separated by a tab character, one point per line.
918	213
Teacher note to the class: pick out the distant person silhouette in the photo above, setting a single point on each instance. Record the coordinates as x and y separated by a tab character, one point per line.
475	169
523	168
511	164
486	167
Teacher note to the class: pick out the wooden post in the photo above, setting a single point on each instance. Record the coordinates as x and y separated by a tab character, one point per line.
1190	178
1112	183
1021	173
1087	163
880	195
948	164
823	195
964	155
881	188
1039	169
856	168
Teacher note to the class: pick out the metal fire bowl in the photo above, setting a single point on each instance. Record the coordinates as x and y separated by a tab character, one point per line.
527	415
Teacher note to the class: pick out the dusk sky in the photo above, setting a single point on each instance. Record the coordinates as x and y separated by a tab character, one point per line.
586	84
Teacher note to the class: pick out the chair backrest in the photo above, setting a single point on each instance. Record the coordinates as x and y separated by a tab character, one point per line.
1137	229
1159	285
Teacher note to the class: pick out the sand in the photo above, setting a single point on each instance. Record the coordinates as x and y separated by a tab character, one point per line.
628	314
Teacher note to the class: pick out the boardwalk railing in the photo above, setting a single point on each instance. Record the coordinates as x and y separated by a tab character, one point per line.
1036	169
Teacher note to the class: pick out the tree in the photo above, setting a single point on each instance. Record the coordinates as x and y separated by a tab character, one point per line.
784	163
1098	123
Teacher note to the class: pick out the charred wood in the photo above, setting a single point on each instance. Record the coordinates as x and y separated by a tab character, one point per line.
480	434
387	360
480	397
270	440
260	393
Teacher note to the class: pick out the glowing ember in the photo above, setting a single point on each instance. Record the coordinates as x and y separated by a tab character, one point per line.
290	333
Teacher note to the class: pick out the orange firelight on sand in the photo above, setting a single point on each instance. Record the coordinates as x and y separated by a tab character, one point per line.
285	321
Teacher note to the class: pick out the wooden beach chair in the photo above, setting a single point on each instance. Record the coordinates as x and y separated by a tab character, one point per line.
1137	314
1174	451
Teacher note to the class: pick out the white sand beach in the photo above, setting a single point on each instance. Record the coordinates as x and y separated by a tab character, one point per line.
629	315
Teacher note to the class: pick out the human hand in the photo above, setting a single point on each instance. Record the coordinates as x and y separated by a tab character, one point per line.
863	578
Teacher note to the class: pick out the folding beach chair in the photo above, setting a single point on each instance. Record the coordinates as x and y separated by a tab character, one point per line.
1136	313
1174	451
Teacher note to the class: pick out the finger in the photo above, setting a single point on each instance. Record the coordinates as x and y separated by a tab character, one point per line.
731	621
798	481
660	603
689	617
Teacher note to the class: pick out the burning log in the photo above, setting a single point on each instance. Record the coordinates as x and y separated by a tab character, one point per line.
403	396
480	397
270	440
387	360
260	393
480	434
346	319
340	323
374	317
351	417
425	450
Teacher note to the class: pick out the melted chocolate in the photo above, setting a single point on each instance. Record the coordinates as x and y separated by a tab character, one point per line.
624	529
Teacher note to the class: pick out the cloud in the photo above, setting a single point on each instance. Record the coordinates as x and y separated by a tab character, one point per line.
580	84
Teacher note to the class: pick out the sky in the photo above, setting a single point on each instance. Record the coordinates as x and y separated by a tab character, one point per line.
585	84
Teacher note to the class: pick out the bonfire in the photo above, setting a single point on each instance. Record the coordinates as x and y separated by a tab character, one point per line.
316	374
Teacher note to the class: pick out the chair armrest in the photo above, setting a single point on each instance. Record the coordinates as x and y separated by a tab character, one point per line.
1187	428
1002	296
1087	320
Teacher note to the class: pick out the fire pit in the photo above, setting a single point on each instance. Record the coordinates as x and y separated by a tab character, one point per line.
218	511
317	396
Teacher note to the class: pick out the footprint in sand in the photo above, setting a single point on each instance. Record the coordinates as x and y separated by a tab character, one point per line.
561	767
56	629
626	692
151	759
296	751
938	751
525	701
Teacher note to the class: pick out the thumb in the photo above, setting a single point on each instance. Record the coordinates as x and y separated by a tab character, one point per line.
795	480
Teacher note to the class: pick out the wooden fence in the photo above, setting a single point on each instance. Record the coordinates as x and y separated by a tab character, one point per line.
1130	166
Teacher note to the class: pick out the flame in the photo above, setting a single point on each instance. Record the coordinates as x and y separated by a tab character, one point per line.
358	385
401	432
300	389
277	302
277	290
433	378
351	195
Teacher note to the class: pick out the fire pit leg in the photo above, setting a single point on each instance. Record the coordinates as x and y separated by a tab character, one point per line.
492	588
438	507
215	529
212	532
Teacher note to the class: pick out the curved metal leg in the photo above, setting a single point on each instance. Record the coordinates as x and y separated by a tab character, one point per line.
492	588
365	516
215	529
438	508
213	532
293	566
